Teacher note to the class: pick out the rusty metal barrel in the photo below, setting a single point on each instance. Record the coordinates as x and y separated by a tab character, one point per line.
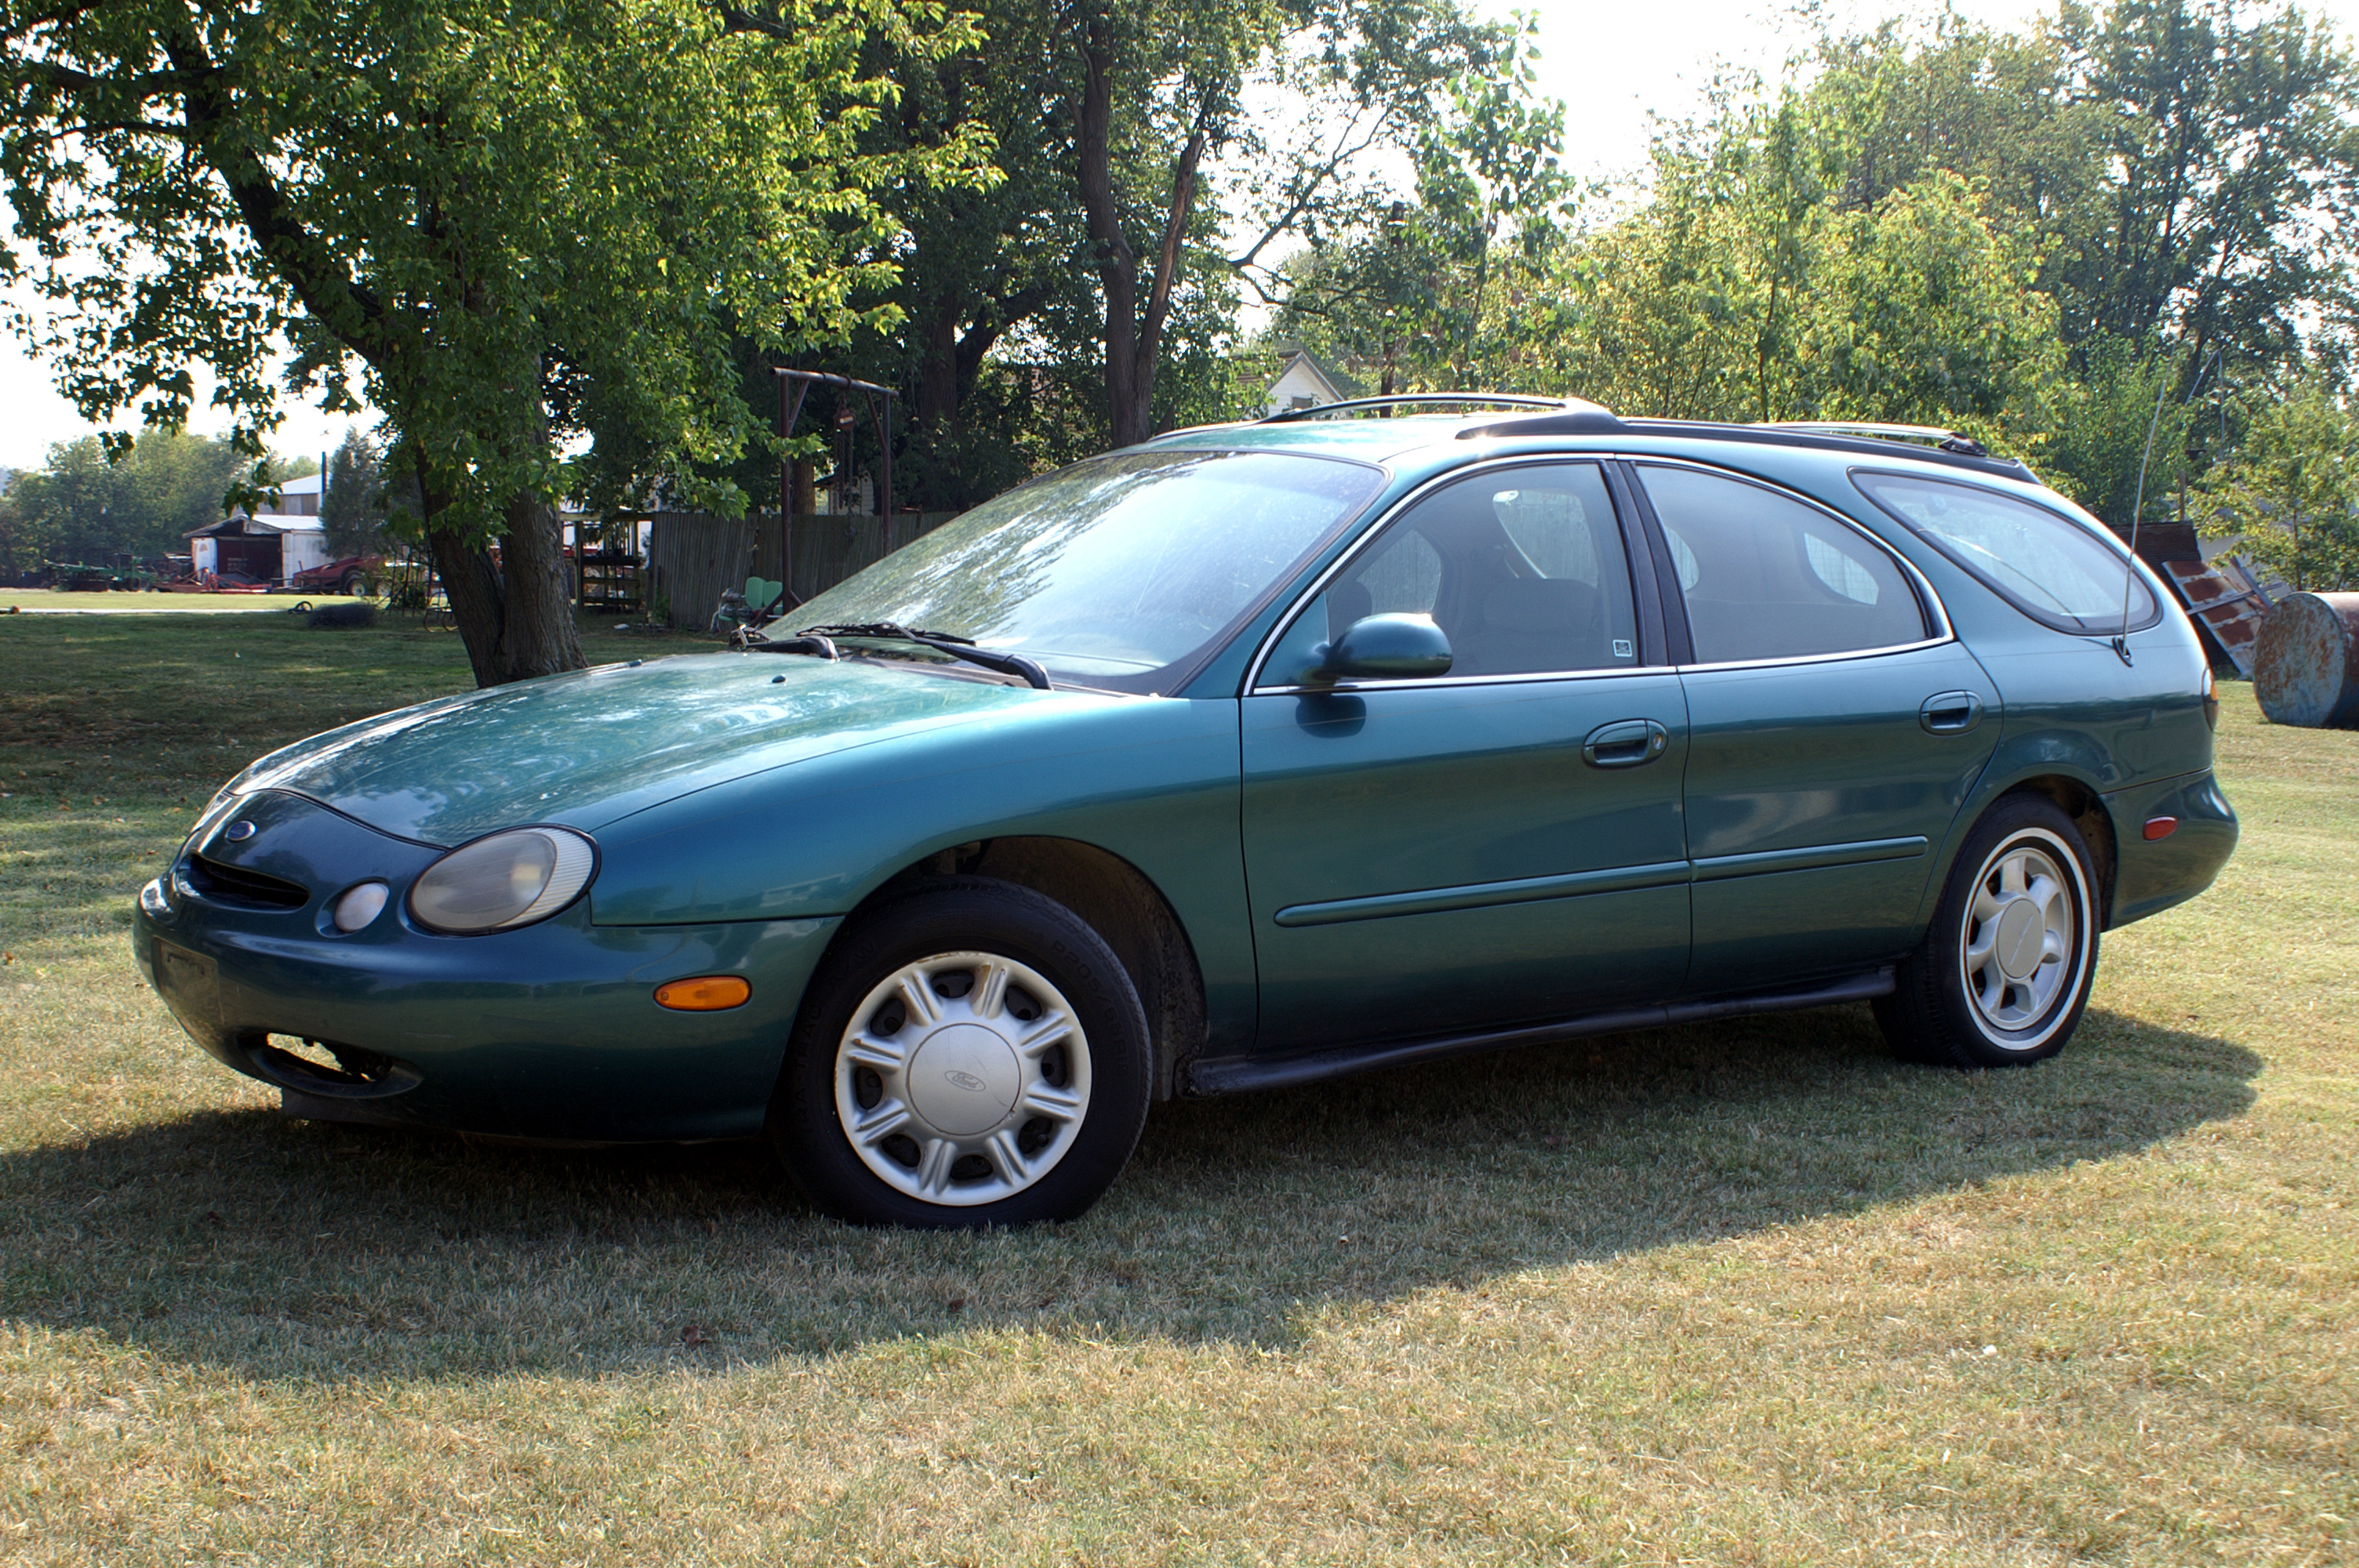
2306	664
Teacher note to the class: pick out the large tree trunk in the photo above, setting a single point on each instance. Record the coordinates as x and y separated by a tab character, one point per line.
938	374
539	637
1134	337
1128	404
472	584
516	619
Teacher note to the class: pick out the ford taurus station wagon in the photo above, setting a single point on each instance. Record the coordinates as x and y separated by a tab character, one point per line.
1249	756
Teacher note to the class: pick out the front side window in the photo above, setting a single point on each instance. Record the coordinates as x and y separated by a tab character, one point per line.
1117	571
1765	576
2053	569
1522	568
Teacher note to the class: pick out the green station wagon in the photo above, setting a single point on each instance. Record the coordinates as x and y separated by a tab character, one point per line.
1251	756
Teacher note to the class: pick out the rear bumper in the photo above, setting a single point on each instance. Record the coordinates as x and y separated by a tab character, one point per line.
550	1032
2151	875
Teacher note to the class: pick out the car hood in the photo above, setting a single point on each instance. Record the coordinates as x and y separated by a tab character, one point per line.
591	746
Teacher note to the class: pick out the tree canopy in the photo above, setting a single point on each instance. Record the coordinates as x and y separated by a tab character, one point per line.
459	211
86	506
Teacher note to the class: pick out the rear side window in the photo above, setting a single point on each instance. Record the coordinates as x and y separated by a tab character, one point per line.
2046	565
1767	577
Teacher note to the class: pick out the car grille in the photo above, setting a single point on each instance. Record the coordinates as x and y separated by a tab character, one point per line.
246	890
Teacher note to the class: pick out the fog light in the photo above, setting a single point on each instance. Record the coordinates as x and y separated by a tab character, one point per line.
359	905
706	993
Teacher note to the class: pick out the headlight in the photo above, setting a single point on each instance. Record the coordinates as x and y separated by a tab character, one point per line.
504	881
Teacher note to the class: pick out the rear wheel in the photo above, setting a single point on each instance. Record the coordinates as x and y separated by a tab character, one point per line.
2005	969
351	586
970	1054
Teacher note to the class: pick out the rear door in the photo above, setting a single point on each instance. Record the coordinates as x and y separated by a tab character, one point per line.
1496	846
1836	728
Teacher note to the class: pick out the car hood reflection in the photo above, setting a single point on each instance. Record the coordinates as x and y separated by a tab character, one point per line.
591	746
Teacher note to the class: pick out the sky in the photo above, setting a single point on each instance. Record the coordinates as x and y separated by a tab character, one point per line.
1618	67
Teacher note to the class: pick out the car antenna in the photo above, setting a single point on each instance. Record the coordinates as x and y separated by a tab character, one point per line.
2138	509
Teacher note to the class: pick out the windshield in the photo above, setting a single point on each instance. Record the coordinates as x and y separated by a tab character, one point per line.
1114	572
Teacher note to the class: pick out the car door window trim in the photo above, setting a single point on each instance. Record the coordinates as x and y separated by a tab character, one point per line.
1928	603
1652	659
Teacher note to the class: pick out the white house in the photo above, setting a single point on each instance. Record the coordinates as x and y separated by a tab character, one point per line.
270	546
1304	381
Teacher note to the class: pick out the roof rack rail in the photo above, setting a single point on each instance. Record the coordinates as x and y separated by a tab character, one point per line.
1915	435
1409	399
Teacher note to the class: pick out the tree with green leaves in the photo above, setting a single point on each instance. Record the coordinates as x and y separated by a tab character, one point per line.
1164	97
2289	495
1434	292
86	503
352	501
462	212
1746	290
2228	188
2188	169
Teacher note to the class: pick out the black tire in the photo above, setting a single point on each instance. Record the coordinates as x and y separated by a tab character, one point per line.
351	586
2008	1008
975	1154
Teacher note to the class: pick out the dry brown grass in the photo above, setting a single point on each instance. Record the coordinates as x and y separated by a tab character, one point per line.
1742	1294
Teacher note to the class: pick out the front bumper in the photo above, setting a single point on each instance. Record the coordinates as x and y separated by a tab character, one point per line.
550	1032
2151	875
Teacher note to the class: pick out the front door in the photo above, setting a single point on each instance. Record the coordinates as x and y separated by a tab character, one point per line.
1834	730
1496	846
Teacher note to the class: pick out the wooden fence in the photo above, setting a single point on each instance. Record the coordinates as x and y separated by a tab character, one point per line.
692	556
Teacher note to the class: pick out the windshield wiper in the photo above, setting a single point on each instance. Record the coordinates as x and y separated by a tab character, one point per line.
943	642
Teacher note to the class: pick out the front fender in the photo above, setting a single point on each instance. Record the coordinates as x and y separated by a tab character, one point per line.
1151	780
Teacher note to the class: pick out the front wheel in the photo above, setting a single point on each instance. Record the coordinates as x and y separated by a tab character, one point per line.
971	1054
2005	969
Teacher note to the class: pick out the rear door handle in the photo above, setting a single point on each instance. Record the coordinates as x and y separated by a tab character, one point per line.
1625	744
1949	713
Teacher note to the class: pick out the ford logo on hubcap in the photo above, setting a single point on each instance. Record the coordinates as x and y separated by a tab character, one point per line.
965	1080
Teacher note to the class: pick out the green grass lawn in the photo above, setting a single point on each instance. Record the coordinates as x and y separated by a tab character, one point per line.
53	601
1738	1293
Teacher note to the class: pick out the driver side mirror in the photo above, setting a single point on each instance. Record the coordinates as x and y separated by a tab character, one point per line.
1385	647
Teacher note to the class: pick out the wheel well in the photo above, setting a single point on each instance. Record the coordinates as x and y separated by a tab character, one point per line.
1120	904
2088	812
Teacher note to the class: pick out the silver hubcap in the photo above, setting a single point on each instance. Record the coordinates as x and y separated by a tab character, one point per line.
2018	944
963	1079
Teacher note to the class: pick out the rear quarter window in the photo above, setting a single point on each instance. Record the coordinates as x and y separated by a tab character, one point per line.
2050	566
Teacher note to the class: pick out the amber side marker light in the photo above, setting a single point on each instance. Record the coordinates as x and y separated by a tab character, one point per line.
705	993
2156	828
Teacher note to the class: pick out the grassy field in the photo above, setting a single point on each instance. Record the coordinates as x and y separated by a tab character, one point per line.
1744	1293
51	602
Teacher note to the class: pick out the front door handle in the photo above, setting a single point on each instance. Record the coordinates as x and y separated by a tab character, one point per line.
1625	744
1949	713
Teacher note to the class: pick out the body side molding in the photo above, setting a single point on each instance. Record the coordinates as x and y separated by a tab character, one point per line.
1240	1074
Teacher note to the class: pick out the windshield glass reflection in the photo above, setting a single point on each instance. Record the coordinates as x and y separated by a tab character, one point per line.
1114	572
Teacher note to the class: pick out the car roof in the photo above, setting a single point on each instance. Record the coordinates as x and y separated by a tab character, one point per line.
1407	429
